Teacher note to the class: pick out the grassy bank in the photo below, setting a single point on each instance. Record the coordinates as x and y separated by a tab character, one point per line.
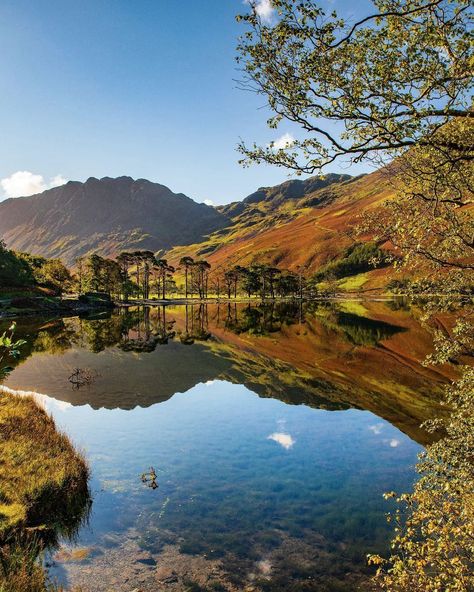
43	491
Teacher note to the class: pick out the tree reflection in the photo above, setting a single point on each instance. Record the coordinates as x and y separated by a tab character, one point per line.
196	327
151	328
320	353
142	329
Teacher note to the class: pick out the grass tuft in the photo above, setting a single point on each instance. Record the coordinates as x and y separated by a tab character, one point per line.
43	492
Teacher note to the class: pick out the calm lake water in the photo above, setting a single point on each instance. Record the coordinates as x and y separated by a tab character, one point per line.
273	432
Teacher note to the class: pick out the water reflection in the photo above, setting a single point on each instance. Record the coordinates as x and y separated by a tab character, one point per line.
330	356
144	328
266	425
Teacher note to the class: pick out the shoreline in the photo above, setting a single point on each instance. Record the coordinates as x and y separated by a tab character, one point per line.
67	307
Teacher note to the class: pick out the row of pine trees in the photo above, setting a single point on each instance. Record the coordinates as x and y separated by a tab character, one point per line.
142	275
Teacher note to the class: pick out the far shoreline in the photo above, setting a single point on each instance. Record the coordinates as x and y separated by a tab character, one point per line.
70	307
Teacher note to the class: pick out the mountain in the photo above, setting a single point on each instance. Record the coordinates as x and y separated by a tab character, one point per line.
271	199
105	216
298	225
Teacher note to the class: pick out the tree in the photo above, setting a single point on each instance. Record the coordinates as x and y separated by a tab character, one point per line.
231	277
54	274
136	258
201	277
148	260
431	220
164	272
15	269
250	281
103	275
80	273
434	547
93	272
288	284
124	260
111	277
392	79
397	84
216	283
272	274
187	262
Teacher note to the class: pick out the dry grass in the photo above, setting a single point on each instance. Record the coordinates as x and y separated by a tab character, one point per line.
43	492
38	465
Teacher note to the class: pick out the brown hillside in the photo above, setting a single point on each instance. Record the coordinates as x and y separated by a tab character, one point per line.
303	233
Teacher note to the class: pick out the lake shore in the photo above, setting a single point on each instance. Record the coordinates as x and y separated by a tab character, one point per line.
44	484
38	305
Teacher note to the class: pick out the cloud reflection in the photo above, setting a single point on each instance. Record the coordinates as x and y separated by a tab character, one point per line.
285	440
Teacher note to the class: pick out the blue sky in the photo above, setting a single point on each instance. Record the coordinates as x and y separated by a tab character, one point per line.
130	87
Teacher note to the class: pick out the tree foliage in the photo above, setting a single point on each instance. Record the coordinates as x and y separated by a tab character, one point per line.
54	274
433	548
14	270
372	88
397	84
26	270
358	258
431	222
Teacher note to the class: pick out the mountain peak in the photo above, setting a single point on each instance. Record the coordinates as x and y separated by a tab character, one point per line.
105	215
271	198
113	214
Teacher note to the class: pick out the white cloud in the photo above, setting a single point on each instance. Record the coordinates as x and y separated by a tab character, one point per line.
23	183
394	443
57	181
376	428
284	141
284	440
208	202
264	9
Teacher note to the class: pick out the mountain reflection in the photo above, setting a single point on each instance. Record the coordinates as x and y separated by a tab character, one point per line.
325	355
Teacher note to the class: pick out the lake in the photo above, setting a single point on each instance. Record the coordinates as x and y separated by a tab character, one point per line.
234	447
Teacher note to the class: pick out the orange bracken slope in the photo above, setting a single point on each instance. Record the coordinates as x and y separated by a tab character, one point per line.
306	238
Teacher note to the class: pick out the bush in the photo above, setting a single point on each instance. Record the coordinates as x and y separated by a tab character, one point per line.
14	271
398	285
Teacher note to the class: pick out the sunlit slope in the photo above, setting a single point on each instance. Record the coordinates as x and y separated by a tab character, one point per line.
302	233
299	224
